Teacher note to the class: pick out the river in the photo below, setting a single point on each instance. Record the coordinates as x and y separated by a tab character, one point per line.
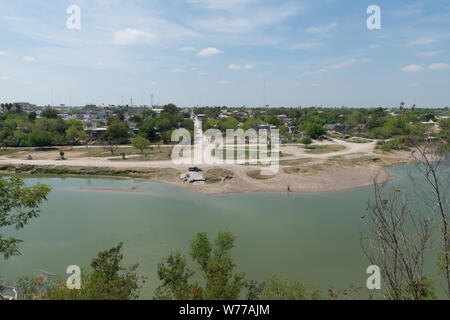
310	237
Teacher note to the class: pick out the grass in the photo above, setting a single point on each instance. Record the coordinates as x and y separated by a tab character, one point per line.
256	174
218	175
295	162
9	152
285	155
360	140
330	148
101	152
241	155
305	171
149	157
353	160
144	173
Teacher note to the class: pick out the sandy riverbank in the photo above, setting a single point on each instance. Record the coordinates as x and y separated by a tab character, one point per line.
354	165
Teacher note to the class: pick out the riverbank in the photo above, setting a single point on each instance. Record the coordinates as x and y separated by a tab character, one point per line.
326	180
323	168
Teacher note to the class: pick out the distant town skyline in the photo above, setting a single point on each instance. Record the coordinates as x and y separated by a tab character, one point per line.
226	53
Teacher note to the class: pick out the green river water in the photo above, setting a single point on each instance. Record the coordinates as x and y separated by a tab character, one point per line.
311	237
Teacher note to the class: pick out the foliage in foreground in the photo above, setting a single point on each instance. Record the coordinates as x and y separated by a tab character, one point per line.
220	282
18	204
108	280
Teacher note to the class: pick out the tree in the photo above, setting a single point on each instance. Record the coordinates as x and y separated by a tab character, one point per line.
397	243
116	134
117	131
40	138
283	289
75	135
50	113
315	130
170	108
215	264
432	163
140	143
404	221
32	116
108	280
175	276
273	120
147	129
306	141
18	205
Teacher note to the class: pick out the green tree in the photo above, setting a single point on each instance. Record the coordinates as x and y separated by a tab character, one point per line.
108	280
175	277
18	204
306	141
315	130
75	135
147	129
170	108
117	131
50	113
31	116
140	143
216	266
283	289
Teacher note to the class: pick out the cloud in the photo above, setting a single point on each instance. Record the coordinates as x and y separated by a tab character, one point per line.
187	49
342	65
429	53
306	45
247	66
248	19
224	82
4	53
28	59
4	78
439	66
422	42
412	68
209	52
132	36
322	29
336	66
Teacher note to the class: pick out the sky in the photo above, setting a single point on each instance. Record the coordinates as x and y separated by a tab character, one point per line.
226	52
